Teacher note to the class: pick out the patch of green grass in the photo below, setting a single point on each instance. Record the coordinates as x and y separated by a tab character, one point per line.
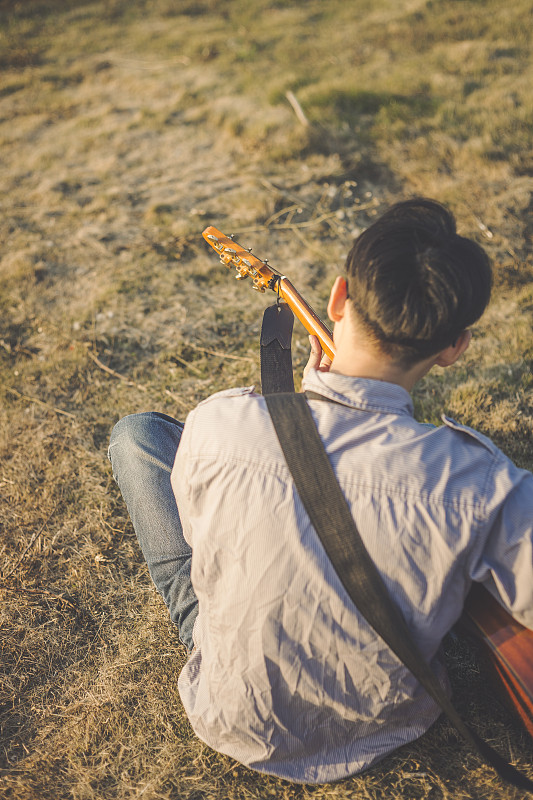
359	107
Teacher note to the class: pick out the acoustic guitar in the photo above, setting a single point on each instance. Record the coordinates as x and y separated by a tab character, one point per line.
508	648
507	645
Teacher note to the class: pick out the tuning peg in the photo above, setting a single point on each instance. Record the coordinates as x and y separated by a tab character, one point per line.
227	255
212	237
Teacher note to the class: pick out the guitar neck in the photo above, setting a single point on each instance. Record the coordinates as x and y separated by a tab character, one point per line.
309	319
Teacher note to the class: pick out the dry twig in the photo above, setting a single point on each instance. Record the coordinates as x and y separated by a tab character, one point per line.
176	398
221	355
40	403
44	592
188	365
32	540
114	373
140	386
297	108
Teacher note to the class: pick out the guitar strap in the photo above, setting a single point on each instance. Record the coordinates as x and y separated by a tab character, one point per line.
331	517
275	345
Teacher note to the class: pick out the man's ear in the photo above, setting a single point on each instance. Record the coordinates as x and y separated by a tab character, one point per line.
337	299
450	355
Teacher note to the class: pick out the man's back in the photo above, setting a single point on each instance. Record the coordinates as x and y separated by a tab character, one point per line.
286	676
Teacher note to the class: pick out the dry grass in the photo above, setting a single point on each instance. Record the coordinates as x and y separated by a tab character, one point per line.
126	128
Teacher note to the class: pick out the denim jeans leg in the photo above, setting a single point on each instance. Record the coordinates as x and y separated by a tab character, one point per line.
142	451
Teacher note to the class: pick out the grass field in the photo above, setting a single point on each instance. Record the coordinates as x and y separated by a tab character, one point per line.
125	129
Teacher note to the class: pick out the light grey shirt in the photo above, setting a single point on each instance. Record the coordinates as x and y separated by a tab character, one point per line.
286	676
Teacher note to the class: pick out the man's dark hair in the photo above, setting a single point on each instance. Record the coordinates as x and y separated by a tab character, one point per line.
414	283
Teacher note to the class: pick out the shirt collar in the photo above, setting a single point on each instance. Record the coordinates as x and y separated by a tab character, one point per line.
363	393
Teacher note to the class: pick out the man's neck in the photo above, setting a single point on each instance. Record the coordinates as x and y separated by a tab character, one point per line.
362	364
358	357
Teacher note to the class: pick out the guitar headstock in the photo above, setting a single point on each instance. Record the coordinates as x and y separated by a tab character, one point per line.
234	255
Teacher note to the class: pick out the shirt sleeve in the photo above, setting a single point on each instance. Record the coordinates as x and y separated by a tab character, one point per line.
505	565
179	478
192	444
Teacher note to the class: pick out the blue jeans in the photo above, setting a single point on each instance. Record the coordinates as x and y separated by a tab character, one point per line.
142	451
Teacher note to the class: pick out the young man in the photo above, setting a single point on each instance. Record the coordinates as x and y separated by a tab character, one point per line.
284	674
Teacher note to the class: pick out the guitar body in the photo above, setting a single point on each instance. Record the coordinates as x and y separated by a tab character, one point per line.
508	646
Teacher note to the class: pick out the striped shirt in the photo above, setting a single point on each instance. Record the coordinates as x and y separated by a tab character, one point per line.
286	676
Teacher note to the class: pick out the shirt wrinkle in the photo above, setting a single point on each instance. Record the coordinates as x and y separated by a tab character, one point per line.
287	677
381	487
